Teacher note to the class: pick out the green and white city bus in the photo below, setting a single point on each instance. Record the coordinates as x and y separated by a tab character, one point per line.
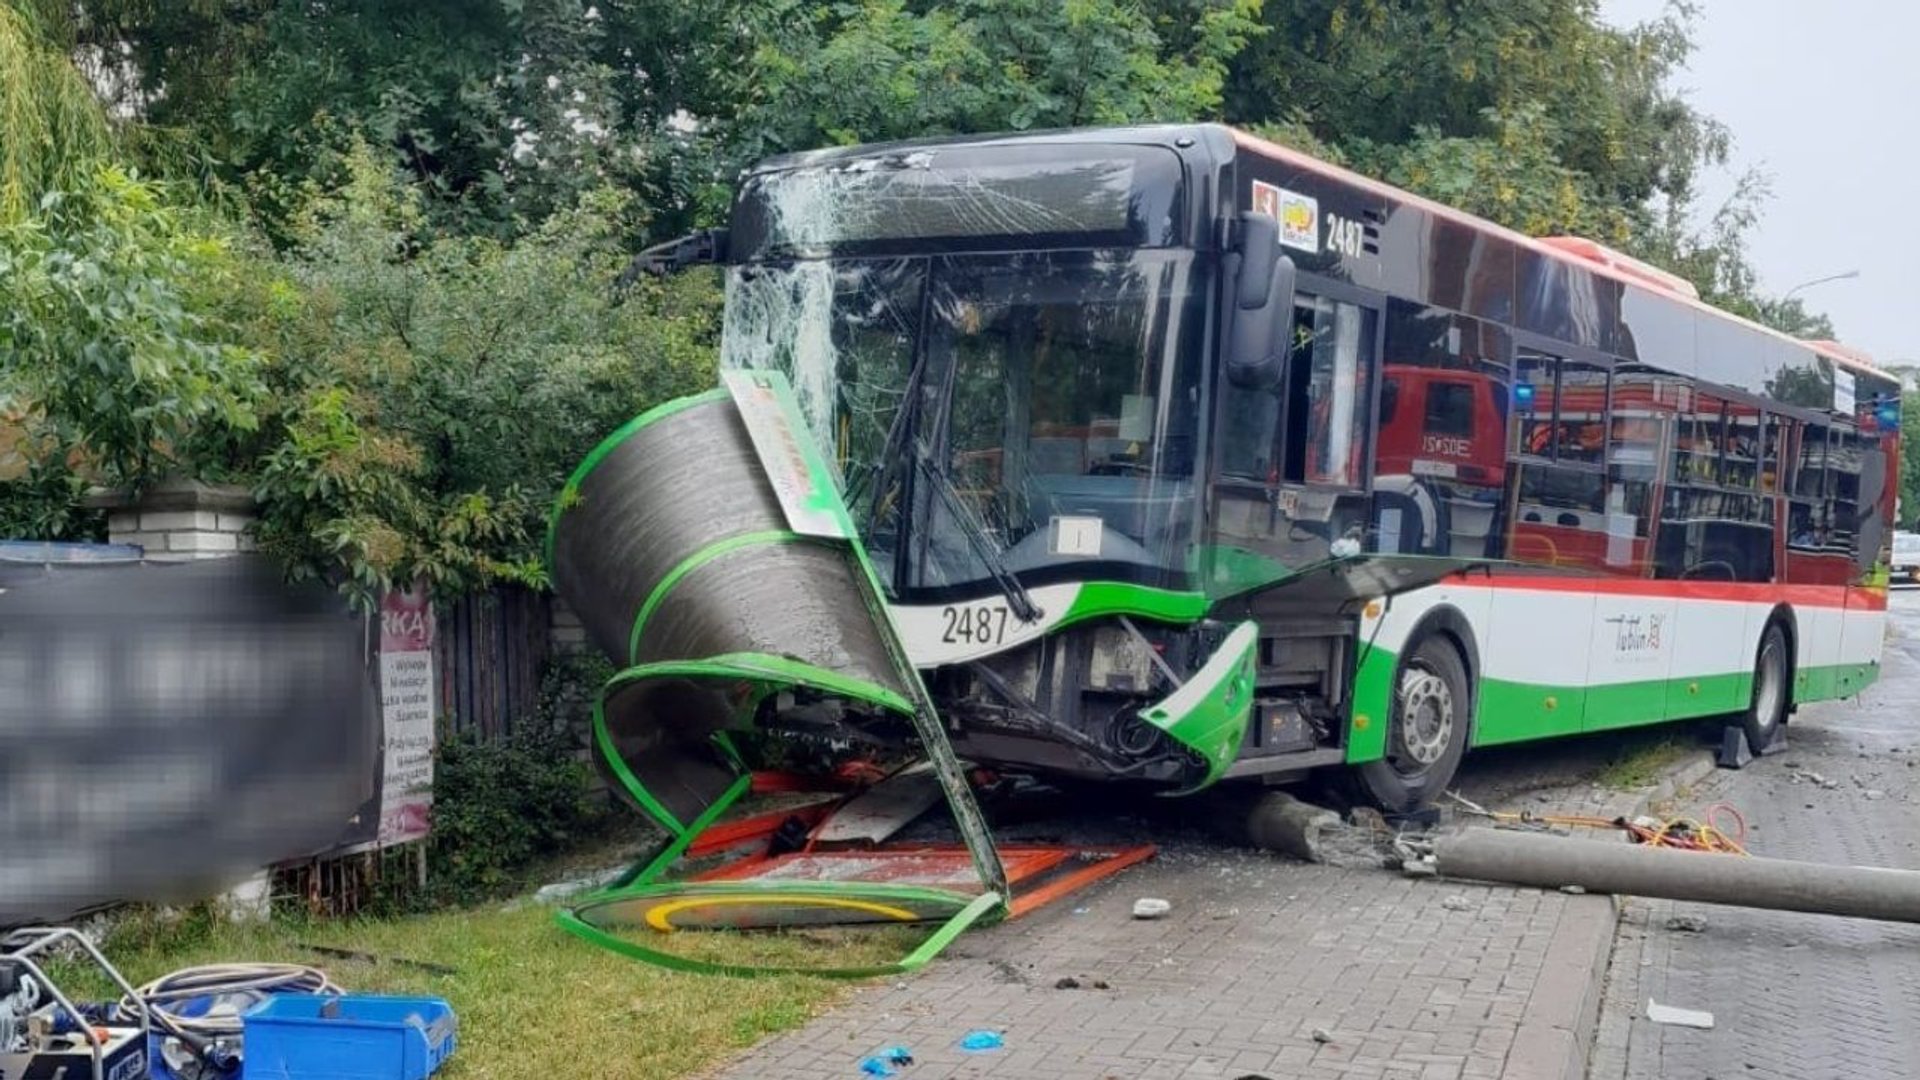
1184	457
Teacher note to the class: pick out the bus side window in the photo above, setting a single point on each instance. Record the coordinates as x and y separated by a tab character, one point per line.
1858	473
1328	396
1641	420
1535	391
1772	462
1440	455
1810	530
1713	527
1583	412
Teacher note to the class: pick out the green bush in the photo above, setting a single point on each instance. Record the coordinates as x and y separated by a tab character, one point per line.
499	805
432	391
569	686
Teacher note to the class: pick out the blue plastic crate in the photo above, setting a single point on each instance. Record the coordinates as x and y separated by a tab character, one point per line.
347	1037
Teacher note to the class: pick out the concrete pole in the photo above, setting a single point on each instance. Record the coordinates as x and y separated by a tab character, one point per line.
1549	862
1279	822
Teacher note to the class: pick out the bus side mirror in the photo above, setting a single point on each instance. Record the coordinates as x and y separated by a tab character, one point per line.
1262	280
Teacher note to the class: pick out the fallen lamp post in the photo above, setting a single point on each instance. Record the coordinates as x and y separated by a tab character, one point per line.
1551	862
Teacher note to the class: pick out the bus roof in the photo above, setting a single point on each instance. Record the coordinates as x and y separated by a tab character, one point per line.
1847	356
1587	254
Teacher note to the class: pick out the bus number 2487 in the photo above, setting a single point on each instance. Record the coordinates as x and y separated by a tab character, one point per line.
974	624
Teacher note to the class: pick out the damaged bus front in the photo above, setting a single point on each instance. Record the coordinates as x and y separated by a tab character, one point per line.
1011	351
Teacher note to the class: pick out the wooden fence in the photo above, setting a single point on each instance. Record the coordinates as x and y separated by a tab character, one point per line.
489	650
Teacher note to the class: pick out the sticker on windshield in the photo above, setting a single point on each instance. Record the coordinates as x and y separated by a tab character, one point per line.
1076	535
1299	215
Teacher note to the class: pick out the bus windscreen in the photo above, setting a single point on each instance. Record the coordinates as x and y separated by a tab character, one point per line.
1122	196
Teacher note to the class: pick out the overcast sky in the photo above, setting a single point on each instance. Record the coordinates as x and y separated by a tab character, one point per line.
1825	98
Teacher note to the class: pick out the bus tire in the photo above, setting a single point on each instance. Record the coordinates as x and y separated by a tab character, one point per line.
1427	730
1772	688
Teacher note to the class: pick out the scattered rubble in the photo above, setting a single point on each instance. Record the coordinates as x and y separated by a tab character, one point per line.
1456	902
1148	907
563	890
1808	776
1667	1014
1688	924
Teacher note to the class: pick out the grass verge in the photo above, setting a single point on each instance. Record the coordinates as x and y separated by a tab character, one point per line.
1643	764
532	1000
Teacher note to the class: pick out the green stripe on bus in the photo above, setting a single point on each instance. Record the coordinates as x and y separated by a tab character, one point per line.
1372	705
1515	711
1839	680
1101	598
1509	712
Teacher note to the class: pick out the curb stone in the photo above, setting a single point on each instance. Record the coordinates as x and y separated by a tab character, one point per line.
1563	1015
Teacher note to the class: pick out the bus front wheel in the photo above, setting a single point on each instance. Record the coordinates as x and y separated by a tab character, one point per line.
1427	731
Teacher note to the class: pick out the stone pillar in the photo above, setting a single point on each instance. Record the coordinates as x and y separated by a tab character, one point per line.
177	520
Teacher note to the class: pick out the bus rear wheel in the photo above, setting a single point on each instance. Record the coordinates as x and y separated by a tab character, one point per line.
1768	709
1426	731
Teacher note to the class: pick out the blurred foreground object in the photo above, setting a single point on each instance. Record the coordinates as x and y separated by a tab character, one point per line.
168	729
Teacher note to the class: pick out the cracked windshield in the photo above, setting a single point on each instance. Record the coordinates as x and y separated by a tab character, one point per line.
1001	413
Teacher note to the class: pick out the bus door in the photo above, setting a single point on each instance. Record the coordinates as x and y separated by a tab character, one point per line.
1863	471
1633	643
1296	460
1716	534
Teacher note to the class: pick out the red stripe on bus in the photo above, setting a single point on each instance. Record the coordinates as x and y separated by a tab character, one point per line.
1829	596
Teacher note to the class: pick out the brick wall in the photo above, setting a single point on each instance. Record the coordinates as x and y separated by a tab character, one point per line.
179	520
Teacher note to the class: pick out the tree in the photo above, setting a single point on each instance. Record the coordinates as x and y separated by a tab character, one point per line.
508	110
110	372
1456	80
53	132
888	69
104	348
442	183
501	107
432	390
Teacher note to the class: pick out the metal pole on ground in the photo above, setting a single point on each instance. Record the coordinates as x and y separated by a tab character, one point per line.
1551	862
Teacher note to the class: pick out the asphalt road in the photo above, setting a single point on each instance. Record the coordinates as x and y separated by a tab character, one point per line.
1795	996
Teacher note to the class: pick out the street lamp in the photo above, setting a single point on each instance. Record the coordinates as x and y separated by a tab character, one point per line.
1788	295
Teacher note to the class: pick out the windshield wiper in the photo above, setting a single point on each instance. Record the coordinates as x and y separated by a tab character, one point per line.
1018	598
